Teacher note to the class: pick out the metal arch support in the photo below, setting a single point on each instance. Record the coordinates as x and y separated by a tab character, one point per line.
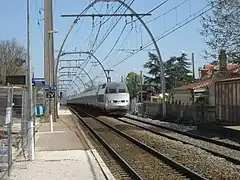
79	89
72	86
146	28
90	54
81	69
77	85
74	81
65	89
99	62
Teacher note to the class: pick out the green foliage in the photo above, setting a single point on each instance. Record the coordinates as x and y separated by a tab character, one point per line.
133	81
176	72
221	29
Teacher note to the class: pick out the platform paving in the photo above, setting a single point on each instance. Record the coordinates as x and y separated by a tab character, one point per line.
64	154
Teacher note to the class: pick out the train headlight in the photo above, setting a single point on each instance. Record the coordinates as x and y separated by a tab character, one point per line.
111	101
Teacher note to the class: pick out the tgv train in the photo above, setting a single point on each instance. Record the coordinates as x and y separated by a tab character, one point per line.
112	97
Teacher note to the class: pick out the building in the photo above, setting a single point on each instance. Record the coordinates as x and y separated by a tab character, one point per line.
204	88
190	93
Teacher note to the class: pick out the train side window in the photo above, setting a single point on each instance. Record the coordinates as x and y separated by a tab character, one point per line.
103	86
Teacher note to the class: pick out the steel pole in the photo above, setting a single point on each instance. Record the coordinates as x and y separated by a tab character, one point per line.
31	149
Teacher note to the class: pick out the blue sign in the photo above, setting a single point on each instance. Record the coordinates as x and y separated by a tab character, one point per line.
39	82
38	79
47	86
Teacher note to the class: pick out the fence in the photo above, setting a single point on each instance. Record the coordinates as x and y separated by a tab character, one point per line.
6	116
193	114
228	101
13	134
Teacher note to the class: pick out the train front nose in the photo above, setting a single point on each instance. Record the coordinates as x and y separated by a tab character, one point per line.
118	101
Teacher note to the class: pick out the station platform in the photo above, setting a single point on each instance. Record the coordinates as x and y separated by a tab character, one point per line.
65	154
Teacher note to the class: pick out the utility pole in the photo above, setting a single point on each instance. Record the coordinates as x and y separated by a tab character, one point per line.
31	149
193	66
108	74
48	50
141	76
122	79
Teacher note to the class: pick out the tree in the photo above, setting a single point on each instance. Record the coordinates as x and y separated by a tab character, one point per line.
181	70
133	81
176	72
9	51
154	79
221	29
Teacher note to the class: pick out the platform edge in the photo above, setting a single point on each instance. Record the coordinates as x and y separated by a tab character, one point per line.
93	151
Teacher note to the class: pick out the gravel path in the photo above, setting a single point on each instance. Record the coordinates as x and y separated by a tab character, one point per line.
194	158
148	166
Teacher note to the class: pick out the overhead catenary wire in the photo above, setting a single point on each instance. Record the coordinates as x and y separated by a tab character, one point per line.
121	33
155	8
161	15
89	57
111	29
173	29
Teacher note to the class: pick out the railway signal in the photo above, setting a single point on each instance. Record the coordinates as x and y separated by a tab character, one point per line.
50	94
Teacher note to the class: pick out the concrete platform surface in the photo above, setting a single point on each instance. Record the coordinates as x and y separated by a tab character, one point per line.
64	154
64	137
59	165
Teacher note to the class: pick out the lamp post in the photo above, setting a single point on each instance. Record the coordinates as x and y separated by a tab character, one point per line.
51	73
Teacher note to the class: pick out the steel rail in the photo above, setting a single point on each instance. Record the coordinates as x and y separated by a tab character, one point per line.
233	160
182	169
123	163
220	143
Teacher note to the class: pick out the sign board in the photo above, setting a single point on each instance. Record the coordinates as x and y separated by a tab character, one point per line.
16	80
8	115
39	82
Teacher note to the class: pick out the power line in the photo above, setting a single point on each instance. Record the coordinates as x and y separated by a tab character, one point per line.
155	8
107	34
121	33
38	16
175	7
158	6
194	16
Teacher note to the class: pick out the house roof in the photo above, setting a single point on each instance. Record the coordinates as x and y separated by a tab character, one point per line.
230	76
195	85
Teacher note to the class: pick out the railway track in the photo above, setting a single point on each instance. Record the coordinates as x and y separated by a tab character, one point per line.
192	135
138	159
217	150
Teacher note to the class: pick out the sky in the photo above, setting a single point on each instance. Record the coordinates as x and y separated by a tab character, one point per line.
187	38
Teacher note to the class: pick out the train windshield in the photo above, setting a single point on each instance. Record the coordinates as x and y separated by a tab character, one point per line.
116	88
122	91
111	91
